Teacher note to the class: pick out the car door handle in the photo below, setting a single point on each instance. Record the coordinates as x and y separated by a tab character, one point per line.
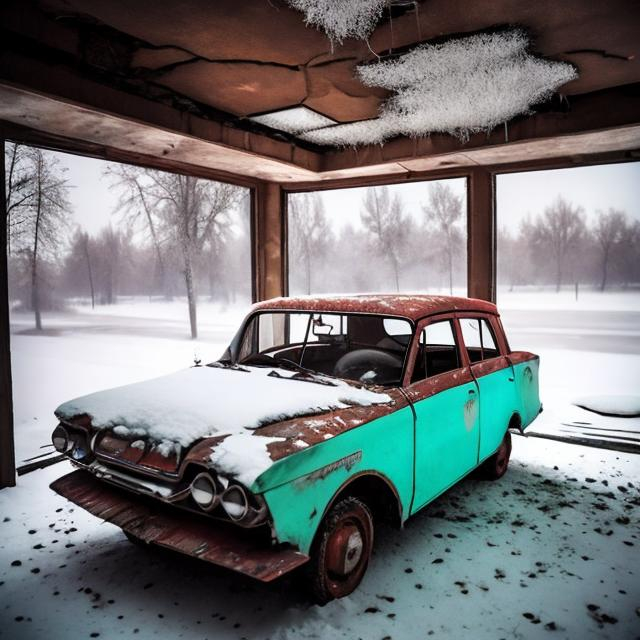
511	379
472	392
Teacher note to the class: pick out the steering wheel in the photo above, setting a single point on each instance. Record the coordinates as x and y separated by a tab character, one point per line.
369	365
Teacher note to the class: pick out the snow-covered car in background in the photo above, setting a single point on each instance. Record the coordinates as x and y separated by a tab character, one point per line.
324	416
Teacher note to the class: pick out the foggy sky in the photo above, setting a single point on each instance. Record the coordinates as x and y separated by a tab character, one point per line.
518	194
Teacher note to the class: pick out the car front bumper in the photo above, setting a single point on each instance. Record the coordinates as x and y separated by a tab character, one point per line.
212	541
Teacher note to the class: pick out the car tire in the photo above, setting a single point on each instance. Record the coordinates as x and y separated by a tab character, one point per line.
496	466
341	551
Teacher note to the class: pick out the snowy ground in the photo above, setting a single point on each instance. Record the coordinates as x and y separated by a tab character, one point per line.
551	550
588	348
545	526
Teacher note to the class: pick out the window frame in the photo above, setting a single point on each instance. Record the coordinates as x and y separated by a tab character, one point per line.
422	332
496	333
234	350
412	352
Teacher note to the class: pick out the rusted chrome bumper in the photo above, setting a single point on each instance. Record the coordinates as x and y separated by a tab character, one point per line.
153	523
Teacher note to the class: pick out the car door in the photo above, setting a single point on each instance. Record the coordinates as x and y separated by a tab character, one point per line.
444	394
495	378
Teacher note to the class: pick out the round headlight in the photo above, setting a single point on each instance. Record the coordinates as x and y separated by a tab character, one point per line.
235	502
203	491
60	439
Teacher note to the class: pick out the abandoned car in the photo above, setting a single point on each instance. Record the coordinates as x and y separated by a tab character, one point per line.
323	415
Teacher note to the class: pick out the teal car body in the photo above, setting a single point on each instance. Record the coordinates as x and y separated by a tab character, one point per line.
424	390
442	428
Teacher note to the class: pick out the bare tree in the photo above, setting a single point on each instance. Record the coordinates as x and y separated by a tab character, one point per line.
608	231
630	253
19	190
309	233
514	265
192	212
109	247
444	209
137	207
43	215
382	216
79	265
87	256
558	232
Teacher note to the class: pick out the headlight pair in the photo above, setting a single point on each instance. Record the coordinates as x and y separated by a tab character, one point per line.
233	499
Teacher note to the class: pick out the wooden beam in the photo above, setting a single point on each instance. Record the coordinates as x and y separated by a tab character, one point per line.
7	453
270	247
481	235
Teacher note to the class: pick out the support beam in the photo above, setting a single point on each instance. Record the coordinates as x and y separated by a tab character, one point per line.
7	454
270	250
481	235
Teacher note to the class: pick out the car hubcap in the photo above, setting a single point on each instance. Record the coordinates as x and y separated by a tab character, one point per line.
344	550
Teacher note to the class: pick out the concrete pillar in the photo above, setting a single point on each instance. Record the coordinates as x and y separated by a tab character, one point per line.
270	248
7	453
481	235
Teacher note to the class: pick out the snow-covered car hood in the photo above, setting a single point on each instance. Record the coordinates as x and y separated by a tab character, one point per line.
176	410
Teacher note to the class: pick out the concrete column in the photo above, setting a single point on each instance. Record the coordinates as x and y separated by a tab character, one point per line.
270	248
481	235
7	453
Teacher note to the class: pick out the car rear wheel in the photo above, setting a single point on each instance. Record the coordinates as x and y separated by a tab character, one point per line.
496	466
341	551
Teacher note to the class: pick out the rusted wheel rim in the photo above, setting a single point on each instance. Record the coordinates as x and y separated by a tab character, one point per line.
504	453
347	553
502	459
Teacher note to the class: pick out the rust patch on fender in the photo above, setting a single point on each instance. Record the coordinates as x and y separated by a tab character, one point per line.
344	463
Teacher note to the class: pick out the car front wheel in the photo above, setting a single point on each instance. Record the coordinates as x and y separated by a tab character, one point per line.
341	551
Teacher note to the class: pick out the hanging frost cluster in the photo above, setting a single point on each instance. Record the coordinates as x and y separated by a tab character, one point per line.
341	19
460	87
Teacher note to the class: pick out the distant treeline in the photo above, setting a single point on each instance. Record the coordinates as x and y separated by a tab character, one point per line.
394	251
176	235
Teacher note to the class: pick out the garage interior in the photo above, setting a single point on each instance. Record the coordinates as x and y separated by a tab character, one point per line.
184	90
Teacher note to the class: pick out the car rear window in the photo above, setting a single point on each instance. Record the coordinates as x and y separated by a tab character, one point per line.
479	339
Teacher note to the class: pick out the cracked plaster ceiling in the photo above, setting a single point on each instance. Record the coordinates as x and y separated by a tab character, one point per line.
237	59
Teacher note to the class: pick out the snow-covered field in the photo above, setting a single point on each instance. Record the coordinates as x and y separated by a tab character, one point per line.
552	549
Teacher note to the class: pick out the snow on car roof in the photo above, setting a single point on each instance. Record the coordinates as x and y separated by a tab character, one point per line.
412	307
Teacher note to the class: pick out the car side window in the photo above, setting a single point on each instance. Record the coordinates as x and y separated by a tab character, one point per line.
437	351
478	339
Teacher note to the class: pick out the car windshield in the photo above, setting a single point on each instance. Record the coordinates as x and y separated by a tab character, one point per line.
367	348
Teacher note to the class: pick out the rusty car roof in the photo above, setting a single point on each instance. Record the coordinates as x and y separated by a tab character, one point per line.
412	307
